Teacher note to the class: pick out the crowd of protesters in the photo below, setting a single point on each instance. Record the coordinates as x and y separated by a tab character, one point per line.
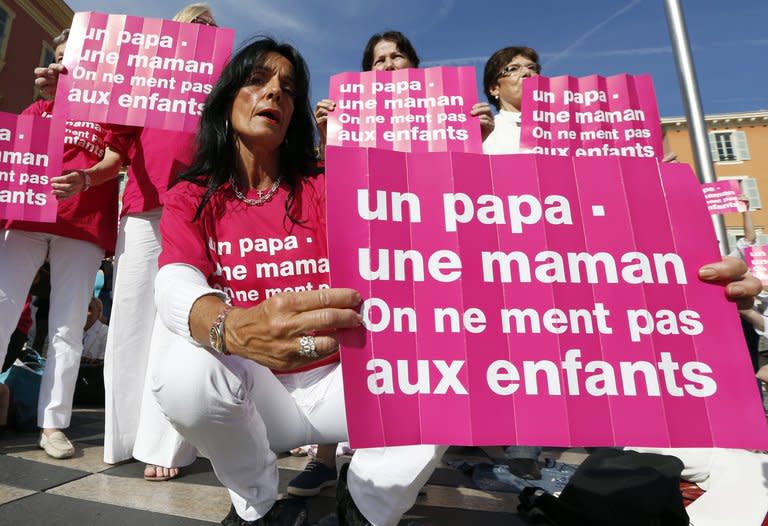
189	370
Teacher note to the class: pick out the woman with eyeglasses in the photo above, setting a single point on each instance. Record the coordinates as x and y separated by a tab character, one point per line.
156	157
503	79
390	51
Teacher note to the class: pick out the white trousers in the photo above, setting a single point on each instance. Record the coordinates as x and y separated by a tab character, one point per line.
157	442
130	331
238	414
735	481
73	269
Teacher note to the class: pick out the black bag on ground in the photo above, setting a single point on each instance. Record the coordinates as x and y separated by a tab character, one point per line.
613	488
89	389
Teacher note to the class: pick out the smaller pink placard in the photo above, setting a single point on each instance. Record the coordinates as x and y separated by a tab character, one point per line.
723	197
756	257
591	116
140	71
31	151
408	110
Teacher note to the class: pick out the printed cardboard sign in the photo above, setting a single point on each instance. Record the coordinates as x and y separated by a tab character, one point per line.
140	71
534	299
31	152
408	110
756	258
591	117
723	197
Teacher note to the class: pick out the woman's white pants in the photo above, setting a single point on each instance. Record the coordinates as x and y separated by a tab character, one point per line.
73	269
130	419
238	414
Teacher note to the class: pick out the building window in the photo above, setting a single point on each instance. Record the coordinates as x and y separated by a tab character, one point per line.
6	19
749	188
47	55
728	146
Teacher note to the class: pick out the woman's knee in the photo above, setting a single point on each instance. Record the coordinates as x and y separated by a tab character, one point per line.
196	388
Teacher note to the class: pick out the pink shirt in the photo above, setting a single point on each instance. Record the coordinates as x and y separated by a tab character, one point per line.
88	216
250	252
157	157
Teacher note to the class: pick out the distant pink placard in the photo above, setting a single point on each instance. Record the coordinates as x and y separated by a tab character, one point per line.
408	110
591	116
723	197
756	258
140	71
560	306
31	151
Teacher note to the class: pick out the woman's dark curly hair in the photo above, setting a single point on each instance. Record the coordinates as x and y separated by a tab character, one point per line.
216	157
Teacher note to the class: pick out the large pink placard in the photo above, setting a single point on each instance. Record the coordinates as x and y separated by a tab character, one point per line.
591	116
31	152
408	110
140	71
723	197
534	299
756	258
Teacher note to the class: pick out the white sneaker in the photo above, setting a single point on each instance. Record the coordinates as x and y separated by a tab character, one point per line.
57	445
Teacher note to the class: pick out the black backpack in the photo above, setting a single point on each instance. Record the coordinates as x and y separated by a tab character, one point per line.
613	488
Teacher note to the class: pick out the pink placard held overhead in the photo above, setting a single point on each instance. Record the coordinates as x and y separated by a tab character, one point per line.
591	117
534	299
756	258
723	197
31	151
140	71
408	110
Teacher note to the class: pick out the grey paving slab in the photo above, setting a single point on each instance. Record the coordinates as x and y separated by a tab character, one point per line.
38	476
44	509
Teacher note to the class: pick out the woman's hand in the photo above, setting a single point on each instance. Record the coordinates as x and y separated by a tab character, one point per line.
483	111
47	78
321	118
69	184
741	287
270	333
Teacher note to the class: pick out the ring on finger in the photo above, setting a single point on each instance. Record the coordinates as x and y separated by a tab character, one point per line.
308	347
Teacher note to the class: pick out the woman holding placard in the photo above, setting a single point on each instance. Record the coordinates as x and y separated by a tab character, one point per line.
252	186
503	79
390	51
156	158
84	231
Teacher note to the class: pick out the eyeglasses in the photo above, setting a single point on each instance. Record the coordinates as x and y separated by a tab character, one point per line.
515	70
204	21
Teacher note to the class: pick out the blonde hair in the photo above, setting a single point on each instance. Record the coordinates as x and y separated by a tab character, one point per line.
192	11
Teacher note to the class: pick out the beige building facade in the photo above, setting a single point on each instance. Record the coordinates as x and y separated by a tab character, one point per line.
739	146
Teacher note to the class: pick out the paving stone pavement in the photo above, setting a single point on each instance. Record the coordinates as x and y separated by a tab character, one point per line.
38	490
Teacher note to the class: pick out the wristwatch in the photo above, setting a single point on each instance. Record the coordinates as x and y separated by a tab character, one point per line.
216	333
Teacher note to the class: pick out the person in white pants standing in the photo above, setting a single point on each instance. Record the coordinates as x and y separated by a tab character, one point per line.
74	244
156	159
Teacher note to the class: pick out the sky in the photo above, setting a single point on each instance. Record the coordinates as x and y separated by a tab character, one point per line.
729	39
